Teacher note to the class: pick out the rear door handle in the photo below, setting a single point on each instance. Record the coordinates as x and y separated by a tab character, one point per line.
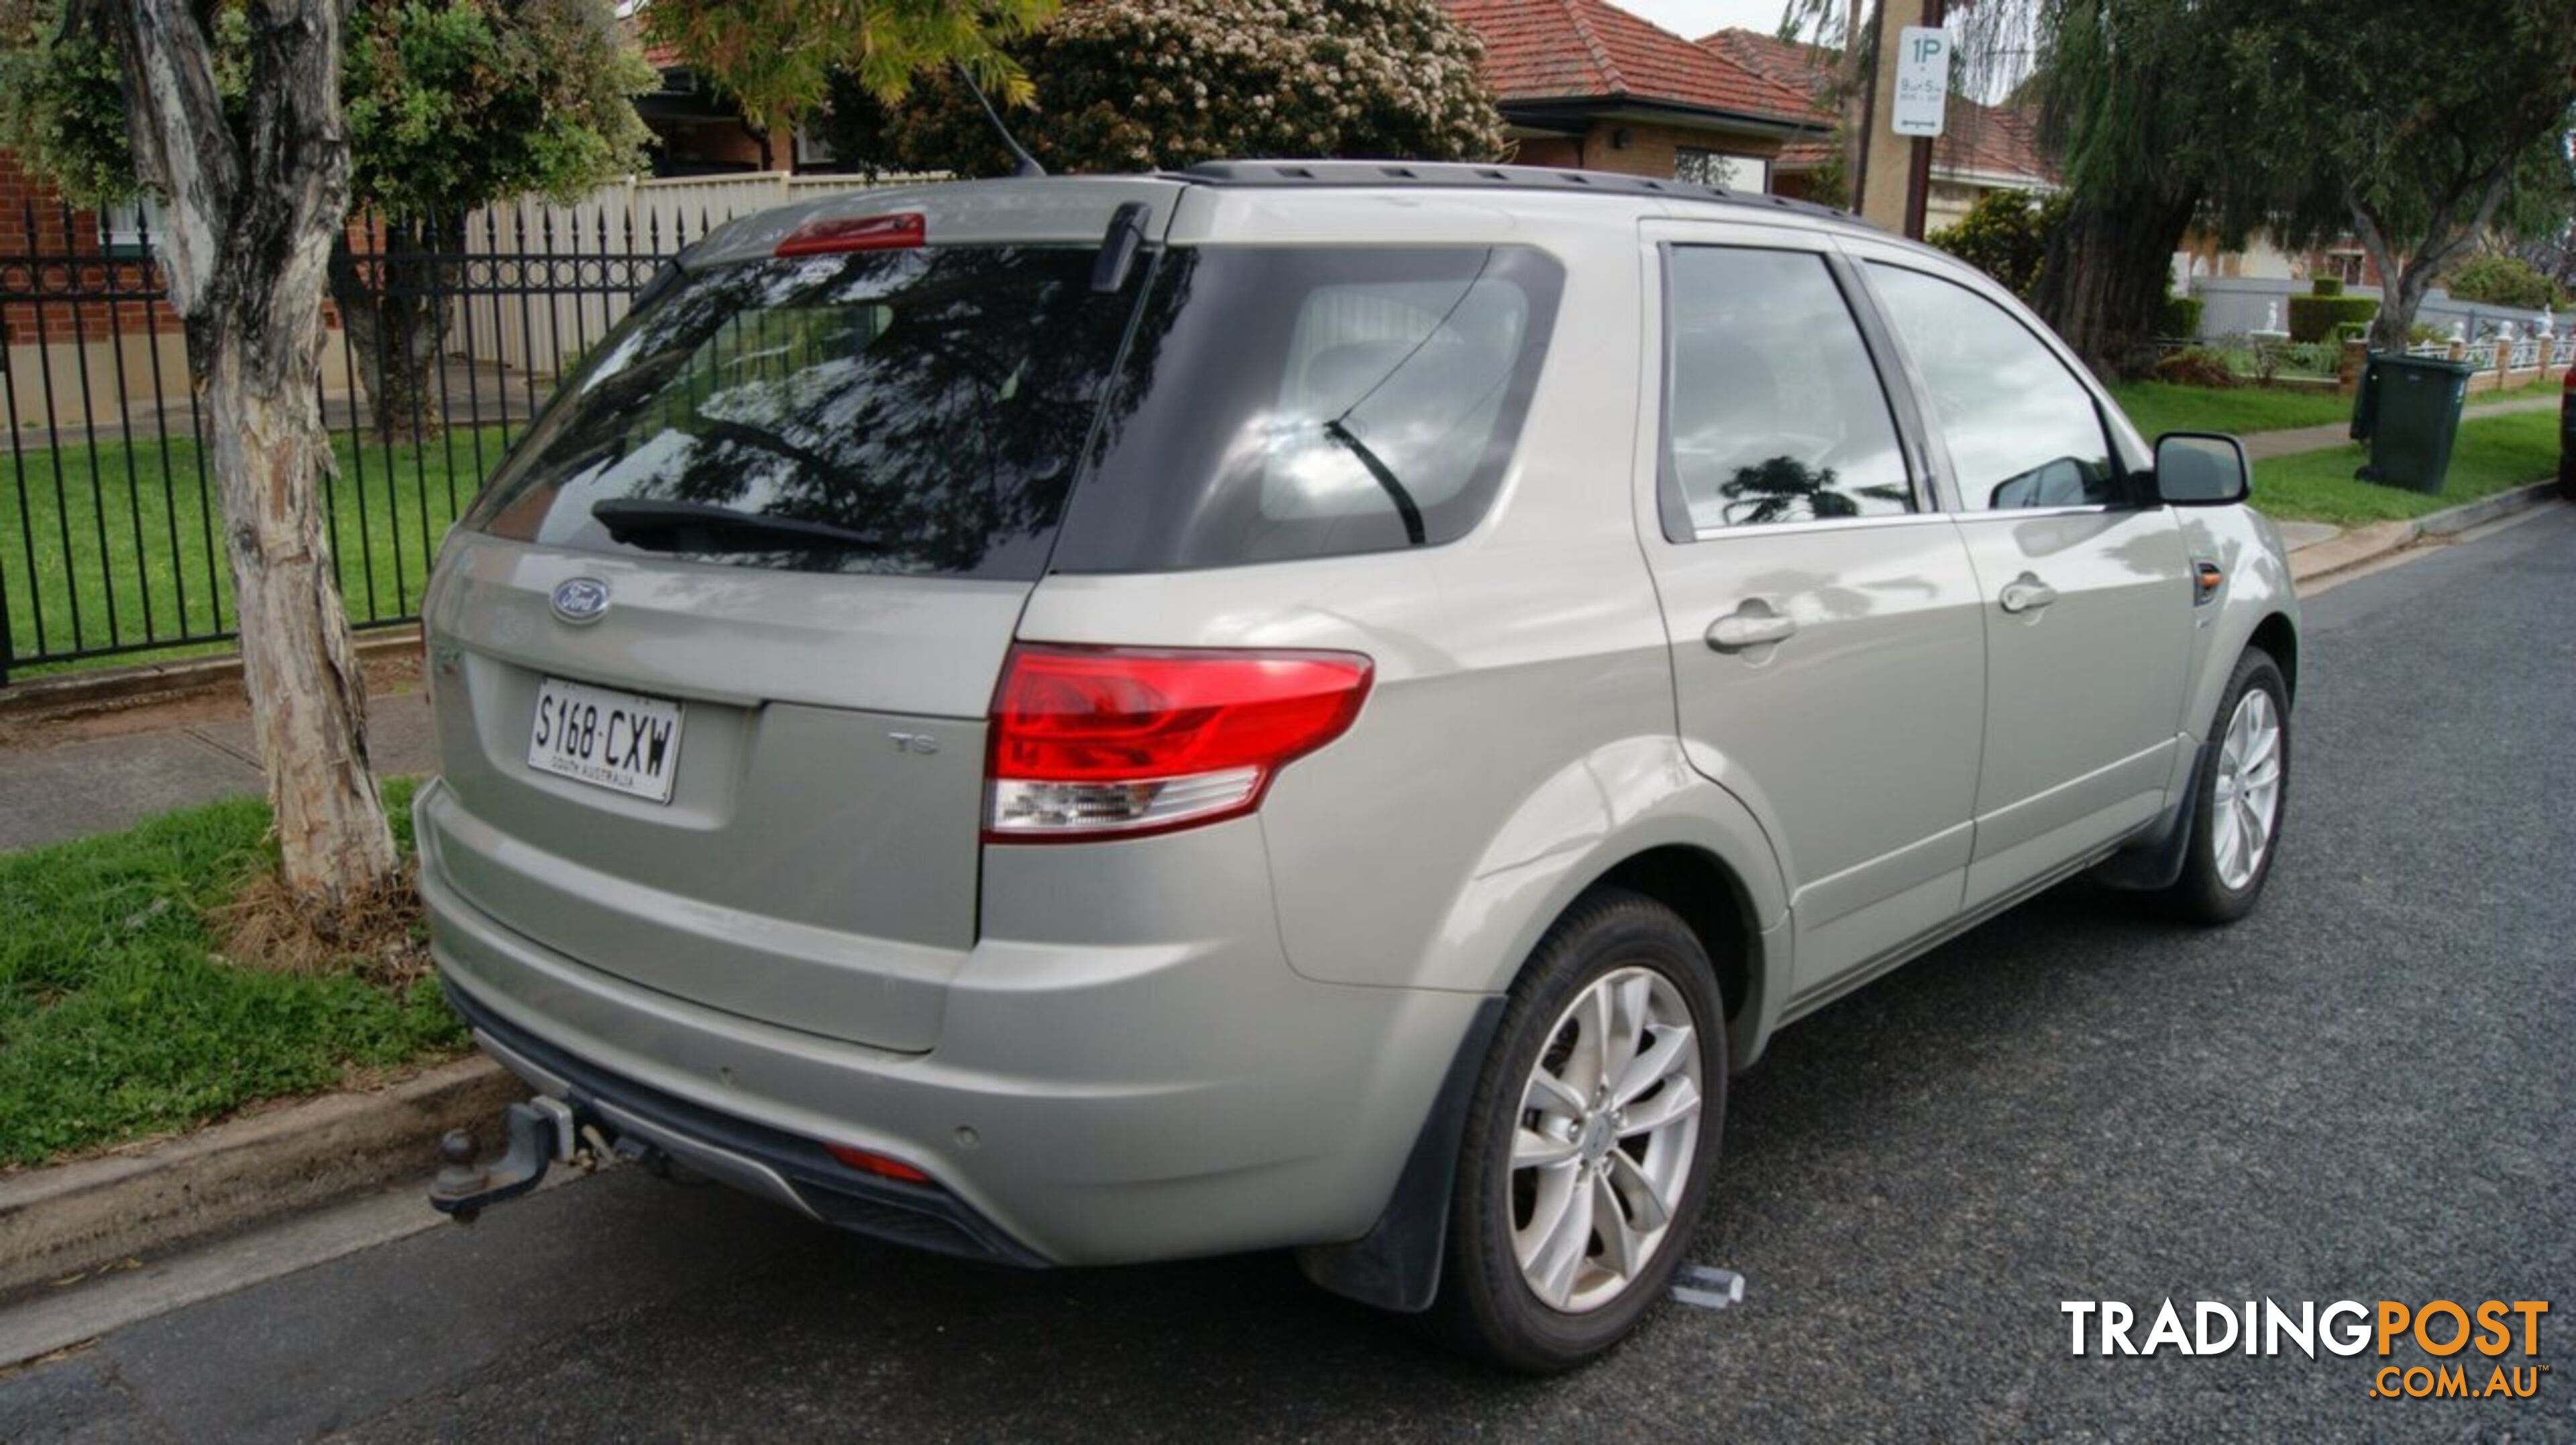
1750	625
2027	593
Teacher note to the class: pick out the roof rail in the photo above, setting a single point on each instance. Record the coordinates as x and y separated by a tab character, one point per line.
1467	175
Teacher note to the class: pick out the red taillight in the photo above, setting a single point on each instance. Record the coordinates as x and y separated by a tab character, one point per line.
1090	742
896	232
868	1161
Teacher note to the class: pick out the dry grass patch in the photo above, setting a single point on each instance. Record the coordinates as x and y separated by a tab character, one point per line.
378	935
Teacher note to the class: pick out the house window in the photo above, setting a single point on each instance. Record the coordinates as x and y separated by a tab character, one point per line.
1717	168
811	152
126	228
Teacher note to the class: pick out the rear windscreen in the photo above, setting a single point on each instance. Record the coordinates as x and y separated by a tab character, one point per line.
1299	401
926	411
914	411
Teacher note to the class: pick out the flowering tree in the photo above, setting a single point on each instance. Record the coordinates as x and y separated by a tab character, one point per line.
1123	85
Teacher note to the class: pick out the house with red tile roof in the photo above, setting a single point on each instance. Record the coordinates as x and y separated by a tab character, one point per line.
1981	149
1584	83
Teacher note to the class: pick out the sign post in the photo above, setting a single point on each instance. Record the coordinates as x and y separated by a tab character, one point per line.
1922	101
1907	102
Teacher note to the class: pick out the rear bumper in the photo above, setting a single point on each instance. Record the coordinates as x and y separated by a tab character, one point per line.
779	1166
1086	1104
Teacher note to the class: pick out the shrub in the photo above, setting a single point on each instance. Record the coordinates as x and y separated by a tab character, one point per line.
2326	286
2314	318
2005	234
2196	366
2180	316
2311	358
2503	281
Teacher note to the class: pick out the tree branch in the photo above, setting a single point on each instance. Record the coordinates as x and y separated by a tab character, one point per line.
175	122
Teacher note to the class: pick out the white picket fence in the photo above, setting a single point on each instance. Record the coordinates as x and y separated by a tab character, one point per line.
570	269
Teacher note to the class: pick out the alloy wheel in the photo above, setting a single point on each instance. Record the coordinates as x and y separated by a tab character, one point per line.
2248	792
1602	1152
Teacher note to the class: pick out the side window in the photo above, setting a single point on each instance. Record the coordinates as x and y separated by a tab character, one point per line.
1772	410
2022	431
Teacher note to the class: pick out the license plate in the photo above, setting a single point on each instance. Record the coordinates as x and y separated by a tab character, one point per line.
615	740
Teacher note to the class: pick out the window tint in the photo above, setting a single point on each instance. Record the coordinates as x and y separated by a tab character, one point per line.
1772	410
2021	429
1281	402
889	411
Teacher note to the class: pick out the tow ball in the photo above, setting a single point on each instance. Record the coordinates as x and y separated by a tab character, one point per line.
538	1132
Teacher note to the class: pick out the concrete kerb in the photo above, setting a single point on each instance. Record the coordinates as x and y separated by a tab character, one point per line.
2451	521
162	681
70	1219
2369	544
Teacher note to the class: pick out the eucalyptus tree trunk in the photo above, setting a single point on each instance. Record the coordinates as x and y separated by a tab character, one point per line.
2458	220
1853	124
252	215
395	314
2102	281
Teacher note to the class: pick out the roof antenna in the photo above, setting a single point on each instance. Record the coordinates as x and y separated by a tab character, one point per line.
1023	164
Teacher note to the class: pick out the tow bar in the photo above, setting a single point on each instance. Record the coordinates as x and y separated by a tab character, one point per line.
540	1132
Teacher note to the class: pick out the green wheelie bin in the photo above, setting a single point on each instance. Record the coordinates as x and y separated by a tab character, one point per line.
2408	409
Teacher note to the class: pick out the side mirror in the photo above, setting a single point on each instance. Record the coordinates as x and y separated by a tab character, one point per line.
2201	469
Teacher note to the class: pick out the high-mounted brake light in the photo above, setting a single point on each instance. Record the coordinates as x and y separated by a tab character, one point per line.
1092	742
897	232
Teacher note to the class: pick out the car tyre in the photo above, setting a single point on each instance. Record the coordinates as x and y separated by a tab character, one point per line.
2244	798
1623	1130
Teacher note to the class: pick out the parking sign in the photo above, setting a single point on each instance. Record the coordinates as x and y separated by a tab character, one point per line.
1922	81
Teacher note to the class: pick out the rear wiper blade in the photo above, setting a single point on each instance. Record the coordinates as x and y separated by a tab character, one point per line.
645	523
1377	468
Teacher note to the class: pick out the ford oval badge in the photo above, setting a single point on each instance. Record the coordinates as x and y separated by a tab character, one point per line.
581	600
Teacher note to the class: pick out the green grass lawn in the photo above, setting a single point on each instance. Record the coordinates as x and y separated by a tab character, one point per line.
2491	455
2161	406
121	554
117	1019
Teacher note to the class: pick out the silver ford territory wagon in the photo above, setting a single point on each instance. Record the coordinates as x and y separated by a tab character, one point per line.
1321	706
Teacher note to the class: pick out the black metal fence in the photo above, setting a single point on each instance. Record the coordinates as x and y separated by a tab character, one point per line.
110	537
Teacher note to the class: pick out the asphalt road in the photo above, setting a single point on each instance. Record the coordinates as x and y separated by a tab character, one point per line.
2367	1091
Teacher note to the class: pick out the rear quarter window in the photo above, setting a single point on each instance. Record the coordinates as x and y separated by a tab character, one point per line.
1288	402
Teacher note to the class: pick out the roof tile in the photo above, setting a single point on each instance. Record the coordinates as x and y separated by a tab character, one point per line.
1570	49
1985	139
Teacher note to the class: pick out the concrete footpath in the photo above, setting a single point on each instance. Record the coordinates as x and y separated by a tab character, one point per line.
98	784
2291	440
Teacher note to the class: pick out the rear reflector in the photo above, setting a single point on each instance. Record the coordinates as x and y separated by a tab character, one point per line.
900	231
869	1162
1091	742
